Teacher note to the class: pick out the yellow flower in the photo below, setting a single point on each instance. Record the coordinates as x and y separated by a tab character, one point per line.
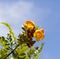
39	34
29	25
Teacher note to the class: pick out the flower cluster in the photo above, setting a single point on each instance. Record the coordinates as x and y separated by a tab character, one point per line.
21	47
31	31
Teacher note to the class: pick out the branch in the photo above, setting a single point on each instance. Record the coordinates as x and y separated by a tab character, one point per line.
11	52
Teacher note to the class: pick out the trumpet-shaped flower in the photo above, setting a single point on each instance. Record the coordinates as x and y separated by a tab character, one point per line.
29	25
39	34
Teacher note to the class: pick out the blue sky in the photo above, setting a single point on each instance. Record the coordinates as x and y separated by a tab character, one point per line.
45	13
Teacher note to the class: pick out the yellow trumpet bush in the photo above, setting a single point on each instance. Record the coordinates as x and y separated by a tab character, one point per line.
39	34
29	25
22	46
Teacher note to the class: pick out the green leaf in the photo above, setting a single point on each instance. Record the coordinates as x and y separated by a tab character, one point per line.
41	47
22	50
2	41
36	27
9	27
23	28
31	51
36	56
26	57
37	52
3	53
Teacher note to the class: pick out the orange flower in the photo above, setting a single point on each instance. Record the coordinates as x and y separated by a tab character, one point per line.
29	25
39	34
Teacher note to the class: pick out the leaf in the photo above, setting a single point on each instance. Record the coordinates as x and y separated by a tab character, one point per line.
26	57
2	41
41	47
31	51
22	55
36	27
22	50
23	28
10	29
3	53
37	52
15	55
36	56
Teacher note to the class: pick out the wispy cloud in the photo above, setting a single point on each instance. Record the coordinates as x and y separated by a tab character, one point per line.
18	12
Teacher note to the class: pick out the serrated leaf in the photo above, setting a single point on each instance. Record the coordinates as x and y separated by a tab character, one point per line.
10	29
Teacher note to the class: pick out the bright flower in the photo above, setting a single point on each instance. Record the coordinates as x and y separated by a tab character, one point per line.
29	25
39	34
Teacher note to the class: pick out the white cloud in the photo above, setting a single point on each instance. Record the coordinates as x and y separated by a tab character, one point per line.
16	12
